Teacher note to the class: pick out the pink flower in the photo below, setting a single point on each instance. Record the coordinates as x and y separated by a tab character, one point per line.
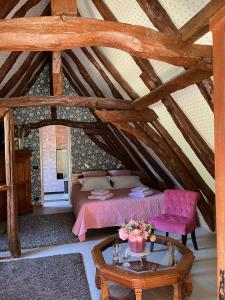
123	235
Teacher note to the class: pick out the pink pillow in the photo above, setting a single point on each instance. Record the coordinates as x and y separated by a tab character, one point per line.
94	173
119	172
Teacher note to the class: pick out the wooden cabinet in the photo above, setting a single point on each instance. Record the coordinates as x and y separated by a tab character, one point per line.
23	183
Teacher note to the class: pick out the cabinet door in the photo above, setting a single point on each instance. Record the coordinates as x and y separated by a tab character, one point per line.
23	185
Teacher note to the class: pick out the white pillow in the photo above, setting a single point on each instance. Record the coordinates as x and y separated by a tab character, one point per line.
95	183
126	182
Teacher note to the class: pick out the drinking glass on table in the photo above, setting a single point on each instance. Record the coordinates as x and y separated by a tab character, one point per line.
116	252
126	256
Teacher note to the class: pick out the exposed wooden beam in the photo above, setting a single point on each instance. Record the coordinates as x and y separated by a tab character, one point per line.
12	224
60	33
126	116
64	122
86	76
115	74
197	26
181	81
111	86
72	101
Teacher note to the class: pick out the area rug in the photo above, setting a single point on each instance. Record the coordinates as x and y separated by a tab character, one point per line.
43	230
60	277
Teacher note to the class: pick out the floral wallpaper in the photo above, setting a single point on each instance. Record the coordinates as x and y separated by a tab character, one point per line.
85	154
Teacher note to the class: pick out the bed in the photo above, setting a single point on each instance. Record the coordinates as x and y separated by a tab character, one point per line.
95	214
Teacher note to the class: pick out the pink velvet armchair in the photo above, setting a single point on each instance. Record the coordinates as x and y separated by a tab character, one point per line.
179	214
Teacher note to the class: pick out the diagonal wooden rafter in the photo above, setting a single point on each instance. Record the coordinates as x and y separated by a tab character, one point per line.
161	20
181	81
60	33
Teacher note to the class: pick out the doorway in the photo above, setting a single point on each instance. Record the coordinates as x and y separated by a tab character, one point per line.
55	143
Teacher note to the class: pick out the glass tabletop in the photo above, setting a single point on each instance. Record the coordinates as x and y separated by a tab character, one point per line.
162	257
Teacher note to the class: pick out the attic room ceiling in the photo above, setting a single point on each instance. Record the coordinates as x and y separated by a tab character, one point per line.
112	73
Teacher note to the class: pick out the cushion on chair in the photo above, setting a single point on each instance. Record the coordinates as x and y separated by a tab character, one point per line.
173	224
180	203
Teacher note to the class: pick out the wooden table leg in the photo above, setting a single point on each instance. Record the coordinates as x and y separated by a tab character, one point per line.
97	279
104	290
177	291
138	293
188	284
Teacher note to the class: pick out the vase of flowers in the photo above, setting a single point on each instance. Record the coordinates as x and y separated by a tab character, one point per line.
136	232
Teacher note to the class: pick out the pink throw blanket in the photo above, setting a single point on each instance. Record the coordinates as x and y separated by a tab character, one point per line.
92	214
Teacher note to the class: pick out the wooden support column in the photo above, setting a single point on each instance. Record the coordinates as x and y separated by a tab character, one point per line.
217	26
12	225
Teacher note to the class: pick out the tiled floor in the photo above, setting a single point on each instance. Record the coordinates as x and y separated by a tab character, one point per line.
203	271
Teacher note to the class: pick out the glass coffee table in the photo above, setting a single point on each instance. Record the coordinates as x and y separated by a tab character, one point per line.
168	265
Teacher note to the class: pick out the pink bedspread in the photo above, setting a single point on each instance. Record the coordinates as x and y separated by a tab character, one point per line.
91	214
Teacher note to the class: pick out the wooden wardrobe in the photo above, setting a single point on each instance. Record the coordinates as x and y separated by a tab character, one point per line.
23	183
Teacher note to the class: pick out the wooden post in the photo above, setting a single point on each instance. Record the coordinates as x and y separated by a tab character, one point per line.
217	25
12	225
